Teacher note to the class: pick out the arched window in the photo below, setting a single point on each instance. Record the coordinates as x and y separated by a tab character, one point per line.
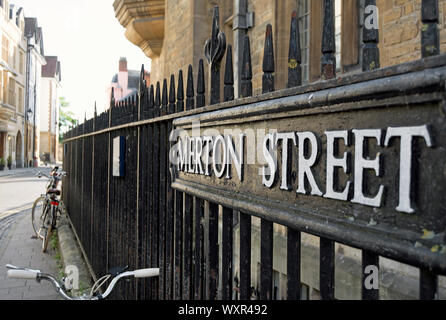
310	15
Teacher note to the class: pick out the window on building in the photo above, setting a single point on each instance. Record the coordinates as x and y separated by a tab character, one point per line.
20	100
5	48
338	31
10	54
304	28
14	58
29	139
11	97
21	62
5	86
350	31
346	35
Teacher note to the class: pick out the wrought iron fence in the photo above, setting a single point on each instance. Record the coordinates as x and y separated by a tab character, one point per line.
155	215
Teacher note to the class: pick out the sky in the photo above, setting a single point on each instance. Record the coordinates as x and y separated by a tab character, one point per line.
89	40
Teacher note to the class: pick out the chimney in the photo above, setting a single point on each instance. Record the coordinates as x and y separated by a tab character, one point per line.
123	65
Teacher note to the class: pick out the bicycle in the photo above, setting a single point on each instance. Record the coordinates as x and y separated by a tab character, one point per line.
62	288
45	221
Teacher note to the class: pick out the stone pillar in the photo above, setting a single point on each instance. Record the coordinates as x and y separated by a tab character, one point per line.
240	30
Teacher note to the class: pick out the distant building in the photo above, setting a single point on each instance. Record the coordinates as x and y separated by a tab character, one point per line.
12	84
35	59
49	112
125	83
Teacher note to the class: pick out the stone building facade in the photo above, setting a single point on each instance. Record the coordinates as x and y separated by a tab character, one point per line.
12	84
35	59
172	33
50	103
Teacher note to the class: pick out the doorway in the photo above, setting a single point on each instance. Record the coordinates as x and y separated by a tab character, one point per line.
18	151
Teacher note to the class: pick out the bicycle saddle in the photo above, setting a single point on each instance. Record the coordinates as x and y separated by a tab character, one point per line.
54	191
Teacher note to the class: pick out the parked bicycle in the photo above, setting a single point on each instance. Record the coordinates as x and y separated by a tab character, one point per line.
63	287
47	208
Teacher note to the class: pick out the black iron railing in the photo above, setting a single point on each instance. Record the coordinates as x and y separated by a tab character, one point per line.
140	220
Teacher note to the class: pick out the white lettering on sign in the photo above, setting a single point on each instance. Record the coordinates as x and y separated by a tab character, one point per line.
217	155
285	138
362	163
305	164
406	135
233	157
269	152
333	162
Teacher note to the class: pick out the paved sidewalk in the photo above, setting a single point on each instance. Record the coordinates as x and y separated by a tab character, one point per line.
6	172
15	171
17	248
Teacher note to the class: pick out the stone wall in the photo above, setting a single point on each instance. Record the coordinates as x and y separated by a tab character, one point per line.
400	30
188	26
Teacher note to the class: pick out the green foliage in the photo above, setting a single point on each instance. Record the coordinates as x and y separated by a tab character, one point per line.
54	242
66	117
2	162
9	160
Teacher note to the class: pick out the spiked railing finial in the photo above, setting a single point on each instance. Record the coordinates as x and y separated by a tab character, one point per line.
268	62
201	86
190	89
180	93
229	76
246	83
214	50
430	38
294	56
328	42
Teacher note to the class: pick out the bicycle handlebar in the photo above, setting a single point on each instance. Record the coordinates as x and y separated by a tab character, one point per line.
58	174
22	274
29	274
40	174
146	273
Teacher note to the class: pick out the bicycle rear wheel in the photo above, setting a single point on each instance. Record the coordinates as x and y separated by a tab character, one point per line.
38	215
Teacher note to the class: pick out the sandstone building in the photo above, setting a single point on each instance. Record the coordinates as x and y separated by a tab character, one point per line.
35	59
12	84
50	95
173	33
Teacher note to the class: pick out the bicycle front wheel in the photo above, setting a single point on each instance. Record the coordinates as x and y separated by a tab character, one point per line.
38	215
48	228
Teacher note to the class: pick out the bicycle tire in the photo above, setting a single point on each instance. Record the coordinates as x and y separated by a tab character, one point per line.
37	221
48	231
